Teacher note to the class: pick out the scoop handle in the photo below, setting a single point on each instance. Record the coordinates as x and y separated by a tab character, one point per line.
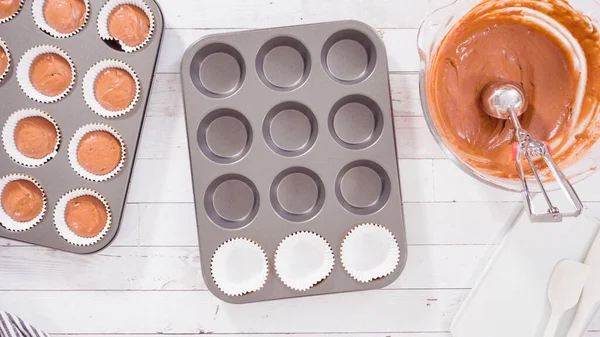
528	149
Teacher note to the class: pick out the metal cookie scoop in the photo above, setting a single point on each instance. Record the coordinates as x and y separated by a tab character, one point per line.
506	100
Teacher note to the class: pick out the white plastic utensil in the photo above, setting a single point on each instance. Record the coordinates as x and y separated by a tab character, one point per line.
510	299
590	298
564	291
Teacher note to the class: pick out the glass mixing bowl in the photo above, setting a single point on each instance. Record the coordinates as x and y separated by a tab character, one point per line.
431	33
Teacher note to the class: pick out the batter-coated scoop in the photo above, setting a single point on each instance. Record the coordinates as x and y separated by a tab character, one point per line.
506	100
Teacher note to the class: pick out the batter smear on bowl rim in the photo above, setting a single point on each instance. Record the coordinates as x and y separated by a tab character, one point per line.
547	48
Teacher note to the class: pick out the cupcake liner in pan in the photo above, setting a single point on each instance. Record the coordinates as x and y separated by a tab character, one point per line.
40	19
5	220
293	153
239	266
61	223
89	87
4	47
74	147
302	260
107	10
370	252
70	113
24	67
8	137
10	17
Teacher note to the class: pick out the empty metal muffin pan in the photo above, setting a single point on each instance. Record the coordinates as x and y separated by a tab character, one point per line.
291	129
57	177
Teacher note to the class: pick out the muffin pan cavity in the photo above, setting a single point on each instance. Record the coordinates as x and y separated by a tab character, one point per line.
297	194
59	140
231	201
225	136
356	122
217	70
283	63
290	129
363	187
291	140
349	56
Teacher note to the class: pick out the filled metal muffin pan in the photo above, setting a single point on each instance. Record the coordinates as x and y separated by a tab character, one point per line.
57	177
291	129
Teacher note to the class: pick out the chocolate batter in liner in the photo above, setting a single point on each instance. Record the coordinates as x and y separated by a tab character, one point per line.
5	220
103	22
5	60
77	24
550	49
9	140
60	218
10	12
73	151
89	88
24	76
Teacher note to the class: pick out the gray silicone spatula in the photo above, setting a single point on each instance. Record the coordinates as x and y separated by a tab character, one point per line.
564	290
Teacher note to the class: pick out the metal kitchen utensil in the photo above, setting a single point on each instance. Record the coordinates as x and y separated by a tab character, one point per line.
507	101
309	143
57	177
566	285
431	34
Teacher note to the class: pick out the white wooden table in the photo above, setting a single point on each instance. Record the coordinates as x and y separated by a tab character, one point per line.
148	282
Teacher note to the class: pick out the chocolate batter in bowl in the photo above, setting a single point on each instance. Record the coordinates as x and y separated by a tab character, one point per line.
547	47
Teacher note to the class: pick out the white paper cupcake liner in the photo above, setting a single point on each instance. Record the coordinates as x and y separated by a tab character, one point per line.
74	145
89	81
239	266
4	47
370	252
8	137
61	223
108	7
6	19
5	220
40	20
24	67
302	260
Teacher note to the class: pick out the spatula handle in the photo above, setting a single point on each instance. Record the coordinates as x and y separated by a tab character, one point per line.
590	298
553	324
588	306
